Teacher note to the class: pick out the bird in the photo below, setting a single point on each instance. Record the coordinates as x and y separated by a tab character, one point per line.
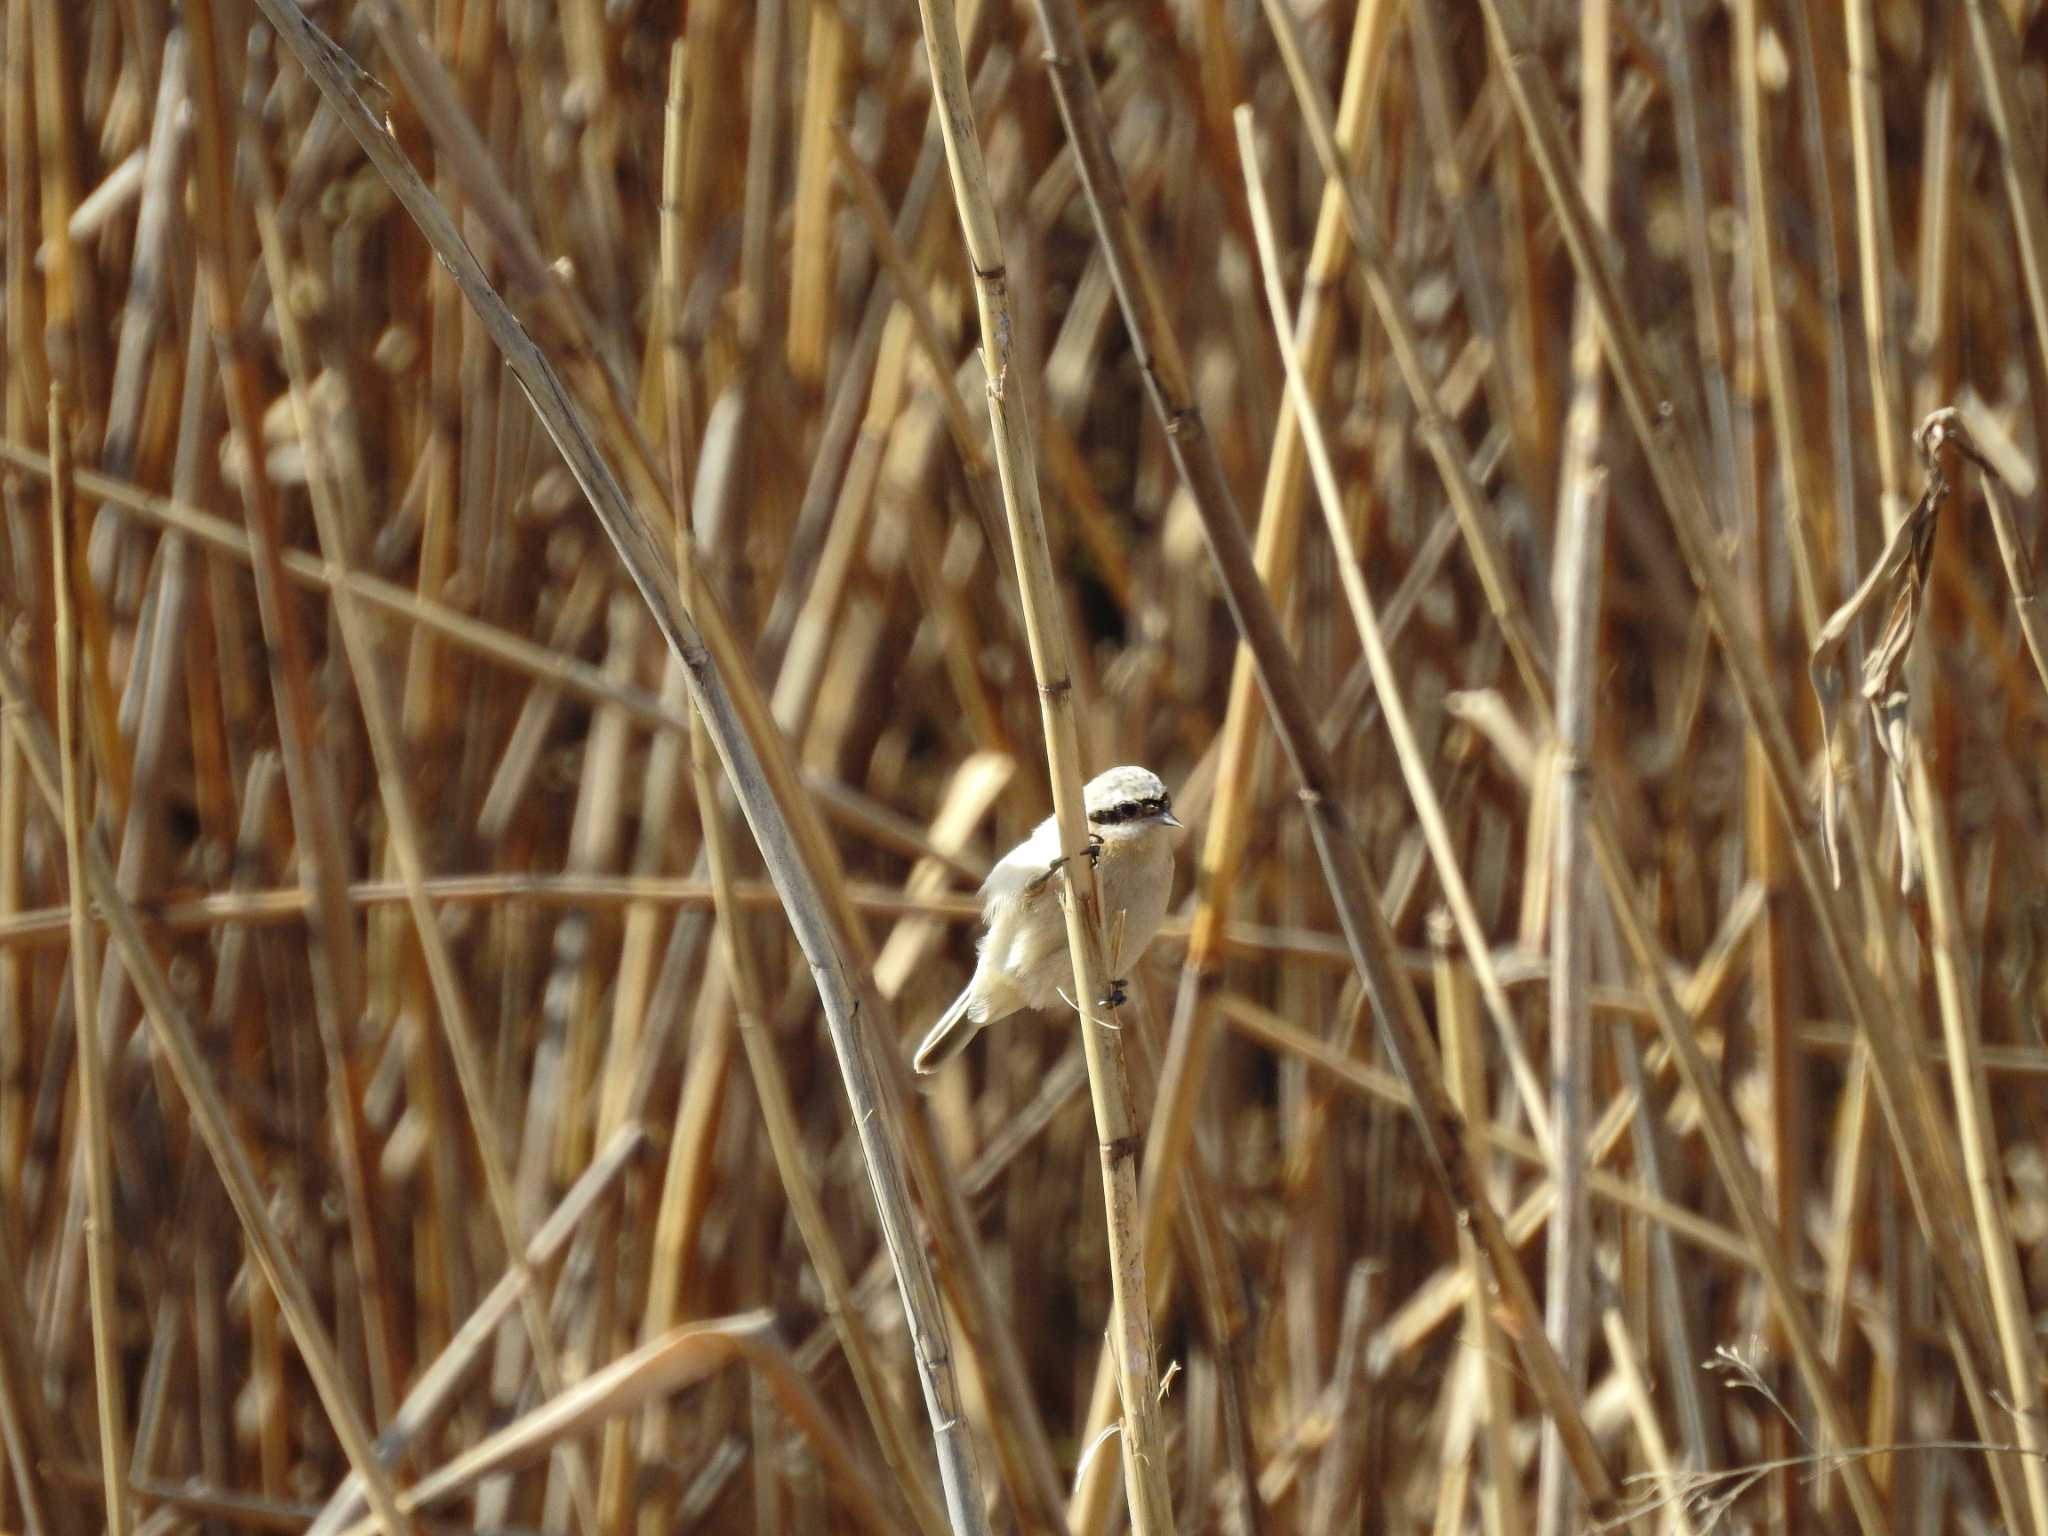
1023	960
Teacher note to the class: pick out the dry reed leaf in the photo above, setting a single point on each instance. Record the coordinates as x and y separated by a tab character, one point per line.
1901	575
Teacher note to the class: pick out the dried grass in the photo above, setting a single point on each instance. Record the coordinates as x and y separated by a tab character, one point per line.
418	1111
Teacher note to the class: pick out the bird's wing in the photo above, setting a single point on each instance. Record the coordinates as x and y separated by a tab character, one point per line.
1026	862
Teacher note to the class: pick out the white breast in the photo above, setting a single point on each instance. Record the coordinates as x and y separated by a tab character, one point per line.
1137	878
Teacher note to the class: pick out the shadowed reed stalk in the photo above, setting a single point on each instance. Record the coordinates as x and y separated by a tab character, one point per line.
1116	1119
735	735
1366	931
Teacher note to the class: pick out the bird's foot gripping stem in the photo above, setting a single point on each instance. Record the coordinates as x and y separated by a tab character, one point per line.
1094	855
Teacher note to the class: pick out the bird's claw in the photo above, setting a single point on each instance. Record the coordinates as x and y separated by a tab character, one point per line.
1094	852
1113	995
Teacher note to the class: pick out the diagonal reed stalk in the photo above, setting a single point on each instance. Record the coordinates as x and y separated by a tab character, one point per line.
434	1389
785	1140
739	732
1367	934
1116	1120
1191	1044
743	967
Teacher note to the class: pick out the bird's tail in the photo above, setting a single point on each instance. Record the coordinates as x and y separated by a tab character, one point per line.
945	1039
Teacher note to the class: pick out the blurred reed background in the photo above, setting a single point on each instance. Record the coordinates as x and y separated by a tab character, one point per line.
458	1080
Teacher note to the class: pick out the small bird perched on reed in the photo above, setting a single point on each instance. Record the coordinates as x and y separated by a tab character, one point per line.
1024	961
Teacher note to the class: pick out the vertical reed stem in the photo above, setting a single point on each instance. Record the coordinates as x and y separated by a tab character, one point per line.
1116	1120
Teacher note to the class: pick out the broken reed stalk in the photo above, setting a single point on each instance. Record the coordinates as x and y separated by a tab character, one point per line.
93	1128
1366	931
788	857
1116	1118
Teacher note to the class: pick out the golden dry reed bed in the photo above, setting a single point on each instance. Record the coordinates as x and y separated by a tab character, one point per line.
547	549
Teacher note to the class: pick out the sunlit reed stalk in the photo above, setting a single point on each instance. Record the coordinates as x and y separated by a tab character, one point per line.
1016	450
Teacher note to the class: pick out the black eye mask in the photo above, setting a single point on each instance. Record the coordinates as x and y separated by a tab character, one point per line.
1133	810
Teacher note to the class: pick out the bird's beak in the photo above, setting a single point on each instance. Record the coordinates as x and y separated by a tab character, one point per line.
1171	820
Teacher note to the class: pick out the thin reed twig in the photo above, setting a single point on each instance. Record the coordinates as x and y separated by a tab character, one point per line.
101	1241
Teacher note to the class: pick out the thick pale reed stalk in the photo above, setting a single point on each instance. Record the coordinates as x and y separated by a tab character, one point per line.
1116	1119
1579	562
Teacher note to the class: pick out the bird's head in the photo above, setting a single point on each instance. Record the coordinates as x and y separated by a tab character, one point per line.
1127	797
